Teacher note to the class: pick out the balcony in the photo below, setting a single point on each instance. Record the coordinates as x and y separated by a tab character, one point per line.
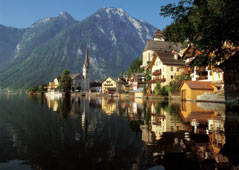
157	73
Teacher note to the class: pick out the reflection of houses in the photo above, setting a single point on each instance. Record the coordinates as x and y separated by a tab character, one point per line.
191	89
208	115
158	43
161	121
109	106
165	66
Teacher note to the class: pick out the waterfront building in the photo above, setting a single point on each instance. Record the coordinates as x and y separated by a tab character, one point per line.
190	90
164	66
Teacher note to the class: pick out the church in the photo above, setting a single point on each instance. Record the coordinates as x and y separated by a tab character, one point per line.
85	79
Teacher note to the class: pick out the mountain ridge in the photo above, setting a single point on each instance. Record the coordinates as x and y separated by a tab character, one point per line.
113	37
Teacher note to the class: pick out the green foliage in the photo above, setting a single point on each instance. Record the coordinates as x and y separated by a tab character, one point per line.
65	82
157	88
145	90
174	85
36	89
160	91
148	75
134	67
163	91
207	24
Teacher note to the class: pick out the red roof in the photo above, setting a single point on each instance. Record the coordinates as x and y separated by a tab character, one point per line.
198	85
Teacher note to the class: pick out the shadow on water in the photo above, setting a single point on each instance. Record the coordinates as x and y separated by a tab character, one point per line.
107	133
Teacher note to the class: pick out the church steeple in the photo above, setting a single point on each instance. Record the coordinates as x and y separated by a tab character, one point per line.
86	59
86	74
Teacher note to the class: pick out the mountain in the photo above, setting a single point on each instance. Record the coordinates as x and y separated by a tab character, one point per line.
8	42
113	37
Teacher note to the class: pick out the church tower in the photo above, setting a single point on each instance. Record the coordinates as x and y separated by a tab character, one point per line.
86	74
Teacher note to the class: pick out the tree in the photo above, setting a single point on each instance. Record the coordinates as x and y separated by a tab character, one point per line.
174	85
65	82
157	88
207	24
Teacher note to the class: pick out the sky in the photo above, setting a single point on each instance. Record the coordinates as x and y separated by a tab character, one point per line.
23	13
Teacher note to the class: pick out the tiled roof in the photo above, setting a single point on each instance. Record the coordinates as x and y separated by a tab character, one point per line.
162	45
198	85
167	58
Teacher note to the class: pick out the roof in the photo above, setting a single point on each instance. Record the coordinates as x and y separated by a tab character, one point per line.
198	85
112	78
162	45
167	58
73	76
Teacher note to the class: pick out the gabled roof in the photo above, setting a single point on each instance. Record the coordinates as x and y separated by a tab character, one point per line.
198	85
167	58
162	45
112	78
73	76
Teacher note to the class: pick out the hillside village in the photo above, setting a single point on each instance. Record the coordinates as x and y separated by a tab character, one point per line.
166	70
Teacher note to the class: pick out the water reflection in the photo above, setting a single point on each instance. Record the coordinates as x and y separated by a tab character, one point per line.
110	133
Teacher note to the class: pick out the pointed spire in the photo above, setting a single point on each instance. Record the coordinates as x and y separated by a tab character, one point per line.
86	59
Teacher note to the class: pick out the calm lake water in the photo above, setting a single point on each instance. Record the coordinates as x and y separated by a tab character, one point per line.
105	133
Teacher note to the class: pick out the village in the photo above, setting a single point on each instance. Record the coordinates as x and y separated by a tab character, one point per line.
164	64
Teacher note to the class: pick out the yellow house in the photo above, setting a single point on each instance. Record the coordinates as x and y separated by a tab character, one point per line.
109	85
191	89
164	66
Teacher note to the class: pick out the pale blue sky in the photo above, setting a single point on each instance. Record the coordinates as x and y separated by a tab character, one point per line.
23	13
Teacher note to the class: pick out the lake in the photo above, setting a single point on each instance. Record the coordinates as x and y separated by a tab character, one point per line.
107	133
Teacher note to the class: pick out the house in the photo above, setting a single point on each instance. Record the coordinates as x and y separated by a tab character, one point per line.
109	85
206	73
137	80
164	66
191	89
53	85
76	81
158	43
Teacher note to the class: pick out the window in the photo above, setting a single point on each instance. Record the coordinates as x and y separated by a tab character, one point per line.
219	76
171	68
177	69
171	77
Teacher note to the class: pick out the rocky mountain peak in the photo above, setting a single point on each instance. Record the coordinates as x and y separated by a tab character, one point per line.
65	15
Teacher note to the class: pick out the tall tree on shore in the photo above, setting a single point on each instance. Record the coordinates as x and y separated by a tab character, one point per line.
65	82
